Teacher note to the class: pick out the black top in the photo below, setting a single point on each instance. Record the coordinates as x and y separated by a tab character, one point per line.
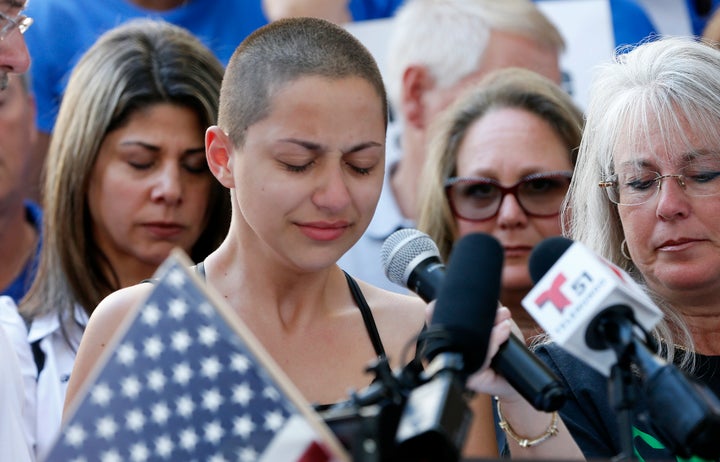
593	422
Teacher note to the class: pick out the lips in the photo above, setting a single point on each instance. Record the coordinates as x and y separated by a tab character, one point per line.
517	250
164	230
677	244
324	231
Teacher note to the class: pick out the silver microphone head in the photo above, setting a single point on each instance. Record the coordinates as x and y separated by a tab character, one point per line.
403	250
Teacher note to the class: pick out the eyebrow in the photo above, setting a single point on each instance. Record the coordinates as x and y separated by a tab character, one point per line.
152	147
317	147
688	156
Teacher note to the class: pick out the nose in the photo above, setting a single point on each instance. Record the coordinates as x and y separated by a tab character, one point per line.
510	214
167	186
14	56
672	200
332	194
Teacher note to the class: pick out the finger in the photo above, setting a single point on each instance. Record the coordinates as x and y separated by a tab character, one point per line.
499	334
502	314
429	312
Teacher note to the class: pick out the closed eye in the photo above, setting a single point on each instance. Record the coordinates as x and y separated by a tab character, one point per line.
297	168
361	170
641	184
141	165
703	177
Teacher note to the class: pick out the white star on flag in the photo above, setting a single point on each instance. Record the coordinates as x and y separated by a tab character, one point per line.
188	381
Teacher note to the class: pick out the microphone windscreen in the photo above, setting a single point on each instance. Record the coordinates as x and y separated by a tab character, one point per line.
467	301
403	250
546	254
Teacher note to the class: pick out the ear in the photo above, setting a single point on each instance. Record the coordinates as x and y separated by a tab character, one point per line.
417	81
219	154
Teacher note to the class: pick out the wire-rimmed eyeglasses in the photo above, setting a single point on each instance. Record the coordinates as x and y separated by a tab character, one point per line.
479	198
7	24
640	188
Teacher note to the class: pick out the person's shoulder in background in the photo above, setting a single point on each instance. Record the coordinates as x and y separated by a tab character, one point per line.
631	23
362	10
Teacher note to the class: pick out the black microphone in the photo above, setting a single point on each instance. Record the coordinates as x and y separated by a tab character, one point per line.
467	301
436	417
412	259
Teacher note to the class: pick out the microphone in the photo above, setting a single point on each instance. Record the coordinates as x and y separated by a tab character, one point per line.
595	311
412	259
436	417
573	285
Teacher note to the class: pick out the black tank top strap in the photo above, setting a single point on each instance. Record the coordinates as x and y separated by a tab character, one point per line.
366	314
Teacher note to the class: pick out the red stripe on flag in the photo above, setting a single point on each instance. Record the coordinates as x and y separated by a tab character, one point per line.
315	453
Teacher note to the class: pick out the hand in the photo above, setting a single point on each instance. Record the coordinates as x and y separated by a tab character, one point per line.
486	380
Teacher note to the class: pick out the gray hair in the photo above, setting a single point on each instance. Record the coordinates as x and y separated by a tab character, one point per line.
662	85
431	33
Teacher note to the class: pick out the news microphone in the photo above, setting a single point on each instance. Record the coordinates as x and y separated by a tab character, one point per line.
595	311
411	258
573	285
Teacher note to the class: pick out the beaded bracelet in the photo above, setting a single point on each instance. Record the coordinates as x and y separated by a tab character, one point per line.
523	441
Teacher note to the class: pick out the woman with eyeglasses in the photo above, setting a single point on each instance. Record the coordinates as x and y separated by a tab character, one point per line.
500	162
646	196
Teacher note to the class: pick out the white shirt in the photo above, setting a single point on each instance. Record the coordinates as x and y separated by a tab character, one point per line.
53	379
17	386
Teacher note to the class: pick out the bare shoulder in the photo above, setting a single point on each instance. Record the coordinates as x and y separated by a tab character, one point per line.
105	322
110	313
399	318
113	309
400	305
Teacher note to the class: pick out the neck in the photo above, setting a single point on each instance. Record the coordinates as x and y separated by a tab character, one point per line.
130	270
287	297
699	311
705	331
18	239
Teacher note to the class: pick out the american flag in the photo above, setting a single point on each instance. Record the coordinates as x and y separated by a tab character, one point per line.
186	381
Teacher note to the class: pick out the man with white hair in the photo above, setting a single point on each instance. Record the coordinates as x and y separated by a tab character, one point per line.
437	48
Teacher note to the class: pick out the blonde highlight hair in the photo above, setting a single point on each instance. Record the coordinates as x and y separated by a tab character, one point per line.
665	86
505	88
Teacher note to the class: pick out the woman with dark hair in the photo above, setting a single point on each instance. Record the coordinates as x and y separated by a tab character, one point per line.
126	182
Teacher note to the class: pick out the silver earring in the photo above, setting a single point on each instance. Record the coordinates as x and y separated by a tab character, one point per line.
624	250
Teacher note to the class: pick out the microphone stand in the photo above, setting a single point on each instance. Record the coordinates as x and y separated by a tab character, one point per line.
683	412
613	329
366	423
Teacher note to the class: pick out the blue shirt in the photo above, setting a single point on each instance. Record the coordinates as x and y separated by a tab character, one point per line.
64	29
19	287
362	10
